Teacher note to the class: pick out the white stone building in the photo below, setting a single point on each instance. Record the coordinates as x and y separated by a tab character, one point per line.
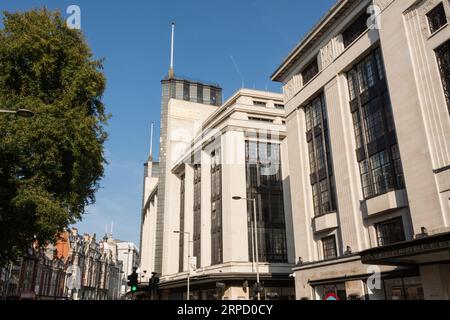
128	255
368	128
212	154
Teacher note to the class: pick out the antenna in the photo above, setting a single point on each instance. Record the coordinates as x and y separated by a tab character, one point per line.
150	158
112	227
171	73
238	71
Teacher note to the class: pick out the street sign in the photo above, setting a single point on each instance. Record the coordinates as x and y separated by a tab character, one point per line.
193	263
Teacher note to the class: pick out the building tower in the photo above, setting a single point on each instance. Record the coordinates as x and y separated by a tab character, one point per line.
181	88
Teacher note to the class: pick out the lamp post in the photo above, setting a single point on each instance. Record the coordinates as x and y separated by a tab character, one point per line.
21	113
256	255
189	259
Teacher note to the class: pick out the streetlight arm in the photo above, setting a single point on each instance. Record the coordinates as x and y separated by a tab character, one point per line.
21	112
7	111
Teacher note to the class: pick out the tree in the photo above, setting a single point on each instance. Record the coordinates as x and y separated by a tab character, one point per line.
50	165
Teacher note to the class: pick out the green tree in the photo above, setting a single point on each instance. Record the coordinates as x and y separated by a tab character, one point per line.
50	165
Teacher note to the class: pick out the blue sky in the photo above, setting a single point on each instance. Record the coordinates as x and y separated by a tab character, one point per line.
134	38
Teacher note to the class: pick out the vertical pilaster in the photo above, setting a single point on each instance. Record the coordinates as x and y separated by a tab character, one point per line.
234	213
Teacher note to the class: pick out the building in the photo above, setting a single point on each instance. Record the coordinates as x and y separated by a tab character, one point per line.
39	275
75	267
213	154
367	103
181	88
93	267
128	255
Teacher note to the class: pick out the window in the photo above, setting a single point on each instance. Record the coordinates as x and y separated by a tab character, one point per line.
186	91
310	71
260	119
375	136
259	103
264	183
437	18
197	212
216	208
199	93
390	232
443	57
182	235
279	106
322	180
356	29
329	247
214	97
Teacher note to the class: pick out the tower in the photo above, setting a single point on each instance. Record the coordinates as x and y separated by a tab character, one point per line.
181	88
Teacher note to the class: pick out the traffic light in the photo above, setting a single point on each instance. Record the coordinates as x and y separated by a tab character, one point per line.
154	281
153	286
133	281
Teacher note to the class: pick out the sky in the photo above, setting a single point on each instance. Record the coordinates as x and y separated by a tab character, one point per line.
230	42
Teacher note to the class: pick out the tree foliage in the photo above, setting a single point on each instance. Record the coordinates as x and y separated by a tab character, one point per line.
51	164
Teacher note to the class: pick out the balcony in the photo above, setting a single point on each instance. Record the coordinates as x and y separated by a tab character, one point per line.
325	222
385	203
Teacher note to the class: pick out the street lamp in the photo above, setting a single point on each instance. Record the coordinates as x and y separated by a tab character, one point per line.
24	113
189	259
256	254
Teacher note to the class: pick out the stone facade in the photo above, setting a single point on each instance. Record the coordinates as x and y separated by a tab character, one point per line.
203	138
408	70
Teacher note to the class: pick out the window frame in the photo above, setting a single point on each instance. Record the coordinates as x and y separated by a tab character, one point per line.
444	68
182	221
393	234
373	124
355	29
320	159
438	9
197	204
310	71
268	192
216	208
326	250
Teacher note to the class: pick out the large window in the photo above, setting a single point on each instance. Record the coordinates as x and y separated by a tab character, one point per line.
376	142
216	208
182	235
322	180
437	18
443	56
197	212
390	232
264	183
329	247
356	29
310	71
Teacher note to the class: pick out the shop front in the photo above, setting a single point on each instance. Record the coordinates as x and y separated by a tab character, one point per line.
429	255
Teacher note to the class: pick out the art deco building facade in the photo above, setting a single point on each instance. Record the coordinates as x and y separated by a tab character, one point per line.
175	87
213	154
368	125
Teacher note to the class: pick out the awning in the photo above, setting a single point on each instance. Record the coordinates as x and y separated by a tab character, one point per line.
425	250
